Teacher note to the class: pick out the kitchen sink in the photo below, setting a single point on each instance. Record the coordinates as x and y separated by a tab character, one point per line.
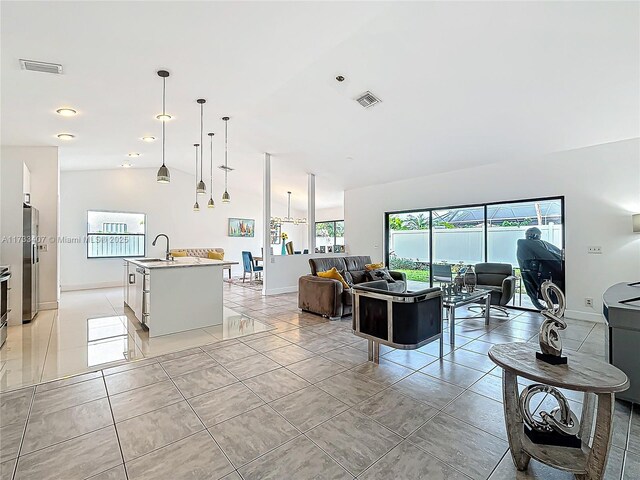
151	260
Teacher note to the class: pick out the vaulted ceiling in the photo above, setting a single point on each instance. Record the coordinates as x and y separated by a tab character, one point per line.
461	84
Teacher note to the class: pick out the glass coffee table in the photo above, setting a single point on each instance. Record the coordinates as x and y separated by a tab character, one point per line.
455	300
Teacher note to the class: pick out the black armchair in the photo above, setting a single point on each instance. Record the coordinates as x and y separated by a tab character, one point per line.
499	279
404	320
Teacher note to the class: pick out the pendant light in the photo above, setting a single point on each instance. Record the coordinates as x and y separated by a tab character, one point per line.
211	203
226	198
196	207
163	172
201	189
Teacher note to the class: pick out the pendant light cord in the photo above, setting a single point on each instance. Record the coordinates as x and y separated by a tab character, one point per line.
196	169
211	165
226	170
164	87
201	142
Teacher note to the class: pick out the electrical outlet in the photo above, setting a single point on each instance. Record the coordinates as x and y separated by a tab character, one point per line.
588	302
43	247
596	250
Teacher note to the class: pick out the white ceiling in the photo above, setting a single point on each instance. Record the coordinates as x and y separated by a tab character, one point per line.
462	84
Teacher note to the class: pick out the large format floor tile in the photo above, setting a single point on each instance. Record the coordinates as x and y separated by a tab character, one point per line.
399	413
354	440
189	363
428	389
316	369
224	403
196	457
145	433
143	400
60	398
275	384
251	434
408	462
204	380
295	460
80	457
308	407
481	412
47	429
350	387
472	451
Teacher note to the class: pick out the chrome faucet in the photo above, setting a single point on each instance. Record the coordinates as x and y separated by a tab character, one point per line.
168	255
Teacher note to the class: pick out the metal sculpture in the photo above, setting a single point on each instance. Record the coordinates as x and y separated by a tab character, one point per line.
549	336
560	420
560	426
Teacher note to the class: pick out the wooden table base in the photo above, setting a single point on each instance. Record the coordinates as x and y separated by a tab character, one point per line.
587	463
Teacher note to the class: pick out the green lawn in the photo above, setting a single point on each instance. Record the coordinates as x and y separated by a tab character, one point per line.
416	275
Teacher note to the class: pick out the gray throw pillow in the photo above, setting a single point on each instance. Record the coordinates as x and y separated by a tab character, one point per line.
380	274
347	277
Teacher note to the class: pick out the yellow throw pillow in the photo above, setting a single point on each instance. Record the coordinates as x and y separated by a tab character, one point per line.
216	255
333	273
181	253
373	266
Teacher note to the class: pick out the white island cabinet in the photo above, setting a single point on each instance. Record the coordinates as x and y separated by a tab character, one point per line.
174	296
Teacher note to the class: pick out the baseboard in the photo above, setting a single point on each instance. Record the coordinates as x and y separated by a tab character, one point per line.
48	306
89	286
587	316
278	291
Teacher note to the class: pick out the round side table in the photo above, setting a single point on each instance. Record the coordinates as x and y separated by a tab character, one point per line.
598	380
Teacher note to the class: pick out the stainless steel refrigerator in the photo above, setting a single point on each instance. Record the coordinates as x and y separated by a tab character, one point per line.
30	264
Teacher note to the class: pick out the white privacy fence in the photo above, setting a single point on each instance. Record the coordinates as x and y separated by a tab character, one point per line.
466	244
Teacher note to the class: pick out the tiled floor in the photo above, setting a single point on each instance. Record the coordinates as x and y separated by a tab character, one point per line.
299	402
90	331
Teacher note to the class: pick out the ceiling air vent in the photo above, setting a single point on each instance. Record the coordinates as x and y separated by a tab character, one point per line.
368	99
40	66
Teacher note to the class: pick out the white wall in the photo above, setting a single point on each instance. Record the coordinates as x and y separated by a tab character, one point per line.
42	169
331	213
284	271
169	210
601	185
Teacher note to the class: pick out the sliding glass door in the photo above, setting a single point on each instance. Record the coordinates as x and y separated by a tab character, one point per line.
408	246
431	245
530	236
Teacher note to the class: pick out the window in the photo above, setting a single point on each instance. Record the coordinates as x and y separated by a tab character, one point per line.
115	234
330	234
431	245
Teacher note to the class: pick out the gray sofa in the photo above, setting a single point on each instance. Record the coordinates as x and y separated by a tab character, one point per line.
328	297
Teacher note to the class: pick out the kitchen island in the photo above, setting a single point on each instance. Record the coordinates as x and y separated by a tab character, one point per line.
170	296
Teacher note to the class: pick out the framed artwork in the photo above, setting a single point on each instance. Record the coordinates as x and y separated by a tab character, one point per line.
242	227
322	249
329	249
276	231
338	249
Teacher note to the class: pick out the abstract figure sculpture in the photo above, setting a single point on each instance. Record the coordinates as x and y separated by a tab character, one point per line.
560	426
549	336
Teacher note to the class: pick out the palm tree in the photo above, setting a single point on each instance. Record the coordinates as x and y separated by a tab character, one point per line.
417	222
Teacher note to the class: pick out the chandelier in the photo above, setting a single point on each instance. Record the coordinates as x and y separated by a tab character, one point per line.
288	218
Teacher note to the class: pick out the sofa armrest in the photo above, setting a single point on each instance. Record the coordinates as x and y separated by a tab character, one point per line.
508	289
320	295
398	275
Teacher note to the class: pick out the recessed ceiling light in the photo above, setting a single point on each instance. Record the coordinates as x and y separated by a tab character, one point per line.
66	112
148	139
126	165
164	117
66	136
133	154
